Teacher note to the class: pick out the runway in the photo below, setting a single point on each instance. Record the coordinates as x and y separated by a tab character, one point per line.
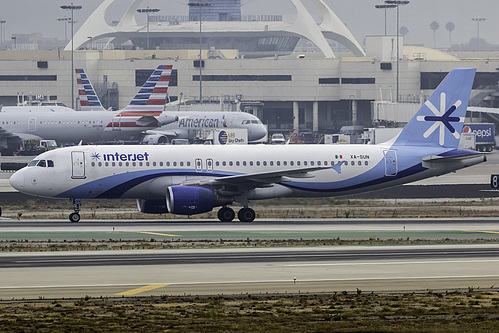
240	271
252	270
270	229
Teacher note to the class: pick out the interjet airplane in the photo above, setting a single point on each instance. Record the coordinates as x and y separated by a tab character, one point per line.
188	180
66	125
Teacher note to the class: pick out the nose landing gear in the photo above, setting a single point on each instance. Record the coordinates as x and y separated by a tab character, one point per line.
75	217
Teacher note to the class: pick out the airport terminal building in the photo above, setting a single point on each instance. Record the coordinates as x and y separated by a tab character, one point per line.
301	91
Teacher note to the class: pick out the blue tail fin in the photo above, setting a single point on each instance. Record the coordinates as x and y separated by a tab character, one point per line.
440	120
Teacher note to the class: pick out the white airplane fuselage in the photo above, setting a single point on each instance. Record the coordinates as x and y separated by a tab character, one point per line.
66	125
201	120
145	172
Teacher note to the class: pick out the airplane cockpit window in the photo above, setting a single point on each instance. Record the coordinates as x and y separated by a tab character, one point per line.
50	163
33	163
42	164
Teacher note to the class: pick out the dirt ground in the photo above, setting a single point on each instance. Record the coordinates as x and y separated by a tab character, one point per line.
278	208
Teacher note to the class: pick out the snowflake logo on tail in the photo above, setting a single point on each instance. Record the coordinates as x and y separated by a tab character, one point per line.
442	119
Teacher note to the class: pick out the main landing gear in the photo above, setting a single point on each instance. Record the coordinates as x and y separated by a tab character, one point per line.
75	217
227	214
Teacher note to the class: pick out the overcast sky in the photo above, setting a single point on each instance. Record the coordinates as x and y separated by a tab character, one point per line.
360	16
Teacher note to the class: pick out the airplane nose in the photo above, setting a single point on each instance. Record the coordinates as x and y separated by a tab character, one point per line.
257	133
17	181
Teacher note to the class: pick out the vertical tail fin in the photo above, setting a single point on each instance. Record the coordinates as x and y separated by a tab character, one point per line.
89	101
152	95
440	120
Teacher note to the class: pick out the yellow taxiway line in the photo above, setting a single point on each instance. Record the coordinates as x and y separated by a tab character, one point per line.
482	231
141	289
153	233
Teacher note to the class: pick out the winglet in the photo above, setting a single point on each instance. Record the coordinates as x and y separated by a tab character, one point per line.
152	95
439	122
89	101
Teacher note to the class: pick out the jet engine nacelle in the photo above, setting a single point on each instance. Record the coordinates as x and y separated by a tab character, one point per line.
189	200
156	139
156	206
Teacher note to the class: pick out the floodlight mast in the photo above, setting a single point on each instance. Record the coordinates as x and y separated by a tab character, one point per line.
397	3
72	8
147	11
478	19
200	4
385	7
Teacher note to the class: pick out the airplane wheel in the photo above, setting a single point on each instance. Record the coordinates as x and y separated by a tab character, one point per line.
246	215
74	217
226	214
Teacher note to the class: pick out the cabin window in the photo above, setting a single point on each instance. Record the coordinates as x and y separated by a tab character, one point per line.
257	163
244	163
291	163
174	164
167	164
224	163
231	163
251	163
366	163
318	163
217	163
285	163
181	164
264	163
271	163
100	164
160	163
133	164
93	164
359	163
352	163
278	163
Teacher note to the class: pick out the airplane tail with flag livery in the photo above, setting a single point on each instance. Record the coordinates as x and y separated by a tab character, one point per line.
89	101
152	95
439	122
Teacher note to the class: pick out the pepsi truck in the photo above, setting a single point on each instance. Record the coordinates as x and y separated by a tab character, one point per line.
484	135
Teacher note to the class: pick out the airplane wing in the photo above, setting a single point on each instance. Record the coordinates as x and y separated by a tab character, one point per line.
248	181
443	162
147	121
161	132
482	109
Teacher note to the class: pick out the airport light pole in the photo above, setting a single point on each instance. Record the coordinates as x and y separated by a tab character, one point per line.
147	11
1	33
397	3
200	4
65	20
72	8
15	42
478	19
385	7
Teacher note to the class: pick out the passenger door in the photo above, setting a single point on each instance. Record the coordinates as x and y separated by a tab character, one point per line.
78	165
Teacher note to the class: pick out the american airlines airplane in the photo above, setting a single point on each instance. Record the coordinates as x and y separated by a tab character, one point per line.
66	125
188	180
188	120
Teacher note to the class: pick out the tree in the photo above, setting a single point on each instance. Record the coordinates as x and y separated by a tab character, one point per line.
403	30
434	26
450	27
